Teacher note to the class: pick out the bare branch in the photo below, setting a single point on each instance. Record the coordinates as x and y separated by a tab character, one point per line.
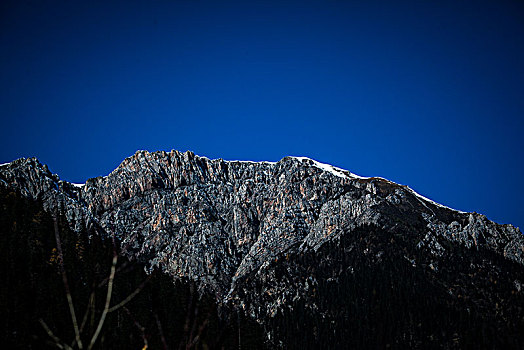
131	296
66	284
197	338
238	324
188	316
108	300
159	325
119	269
59	343
90	306
140	328
191	339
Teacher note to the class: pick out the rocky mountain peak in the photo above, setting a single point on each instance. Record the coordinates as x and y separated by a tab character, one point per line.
221	222
297	238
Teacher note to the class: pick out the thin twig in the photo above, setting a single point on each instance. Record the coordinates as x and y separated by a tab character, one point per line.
159	325
139	326
89	307
108	300
59	344
197	338
189	343
119	269
131	296
66	285
238	324
188	317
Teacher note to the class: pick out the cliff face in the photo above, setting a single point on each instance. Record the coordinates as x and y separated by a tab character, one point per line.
272	237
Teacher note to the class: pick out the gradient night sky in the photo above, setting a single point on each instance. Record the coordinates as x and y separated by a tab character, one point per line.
428	94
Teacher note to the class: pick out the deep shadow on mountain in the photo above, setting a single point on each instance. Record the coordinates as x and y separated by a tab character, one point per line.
165	313
367	294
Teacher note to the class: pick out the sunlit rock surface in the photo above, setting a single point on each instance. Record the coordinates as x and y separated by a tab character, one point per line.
268	237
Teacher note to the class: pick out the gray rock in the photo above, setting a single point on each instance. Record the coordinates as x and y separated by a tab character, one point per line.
220	223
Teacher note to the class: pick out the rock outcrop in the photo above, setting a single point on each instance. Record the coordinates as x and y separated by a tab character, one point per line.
249	232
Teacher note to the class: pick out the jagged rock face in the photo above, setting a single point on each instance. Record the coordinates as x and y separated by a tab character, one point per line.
227	224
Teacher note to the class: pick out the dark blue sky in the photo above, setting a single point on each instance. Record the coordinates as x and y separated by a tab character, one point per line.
428	94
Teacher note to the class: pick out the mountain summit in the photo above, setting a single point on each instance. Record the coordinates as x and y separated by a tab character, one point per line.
302	244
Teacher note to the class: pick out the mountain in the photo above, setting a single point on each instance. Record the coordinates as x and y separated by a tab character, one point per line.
315	256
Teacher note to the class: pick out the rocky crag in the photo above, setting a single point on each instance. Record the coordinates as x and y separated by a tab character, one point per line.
298	238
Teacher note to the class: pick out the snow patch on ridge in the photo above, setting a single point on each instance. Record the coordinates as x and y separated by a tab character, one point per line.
77	185
347	174
419	196
327	167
